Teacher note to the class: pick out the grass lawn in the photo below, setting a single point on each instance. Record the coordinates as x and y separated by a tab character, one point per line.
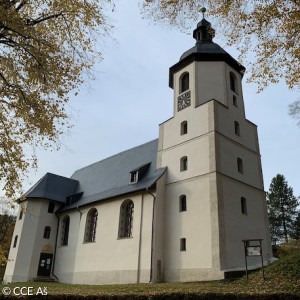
282	282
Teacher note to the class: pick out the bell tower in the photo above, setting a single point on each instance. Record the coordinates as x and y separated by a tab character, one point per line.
214	187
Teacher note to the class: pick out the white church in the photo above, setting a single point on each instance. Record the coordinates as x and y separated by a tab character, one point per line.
174	209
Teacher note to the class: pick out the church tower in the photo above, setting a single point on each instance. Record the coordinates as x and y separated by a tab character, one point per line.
214	196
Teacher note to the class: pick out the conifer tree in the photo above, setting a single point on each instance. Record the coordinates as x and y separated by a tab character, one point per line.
282	209
296	228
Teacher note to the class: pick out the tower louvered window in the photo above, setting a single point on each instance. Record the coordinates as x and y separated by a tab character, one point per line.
91	226
126	219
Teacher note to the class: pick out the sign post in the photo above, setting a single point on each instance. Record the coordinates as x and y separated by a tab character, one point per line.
254	248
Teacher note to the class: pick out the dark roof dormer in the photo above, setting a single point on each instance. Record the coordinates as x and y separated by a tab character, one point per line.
204	50
138	173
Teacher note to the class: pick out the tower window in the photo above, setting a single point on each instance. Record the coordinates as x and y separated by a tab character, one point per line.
126	219
240	165
234	100
51	207
183	128
90	226
47	231
243	205
184	82
183	244
15	241
21	214
182	203
237	128
65	231
183	163
232	82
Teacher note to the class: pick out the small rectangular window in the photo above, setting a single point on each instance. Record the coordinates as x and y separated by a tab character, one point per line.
21	214
134	177
234	100
183	163
15	241
183	244
240	165
244	206
237	128
47	231
51	207
182	203
183	128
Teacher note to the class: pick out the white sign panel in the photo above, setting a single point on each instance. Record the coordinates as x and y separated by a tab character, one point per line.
253	251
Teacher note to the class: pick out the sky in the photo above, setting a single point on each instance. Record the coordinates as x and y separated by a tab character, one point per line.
130	97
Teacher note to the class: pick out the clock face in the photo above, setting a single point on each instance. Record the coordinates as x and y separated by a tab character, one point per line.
184	100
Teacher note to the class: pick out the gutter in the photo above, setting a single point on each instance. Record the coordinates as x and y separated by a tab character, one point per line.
55	247
152	236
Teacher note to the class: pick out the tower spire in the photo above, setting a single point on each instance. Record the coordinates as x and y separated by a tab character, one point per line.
204	33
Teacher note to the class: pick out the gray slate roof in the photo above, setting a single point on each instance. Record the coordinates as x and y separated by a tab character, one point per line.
102	180
53	187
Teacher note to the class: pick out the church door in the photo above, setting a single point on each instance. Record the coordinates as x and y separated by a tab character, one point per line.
45	264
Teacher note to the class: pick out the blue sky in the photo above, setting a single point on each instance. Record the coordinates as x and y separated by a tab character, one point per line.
130	97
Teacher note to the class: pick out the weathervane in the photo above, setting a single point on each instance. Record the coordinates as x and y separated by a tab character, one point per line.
203	10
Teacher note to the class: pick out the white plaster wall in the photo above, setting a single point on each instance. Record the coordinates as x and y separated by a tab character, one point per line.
225	125
238	226
197	152
159	237
227	155
198	124
211	82
25	257
110	259
66	255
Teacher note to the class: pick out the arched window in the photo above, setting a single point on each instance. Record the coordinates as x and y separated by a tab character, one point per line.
47	232
184	82
237	128
183	163
90	226
183	128
240	165
65	231
243	205
15	241
126	219
182	203
21	214
232	82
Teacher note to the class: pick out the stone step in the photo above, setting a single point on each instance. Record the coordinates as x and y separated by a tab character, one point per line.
44	279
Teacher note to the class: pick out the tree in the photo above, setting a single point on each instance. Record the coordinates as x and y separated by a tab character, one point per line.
282	208
268	29
294	111
46	49
296	228
7	223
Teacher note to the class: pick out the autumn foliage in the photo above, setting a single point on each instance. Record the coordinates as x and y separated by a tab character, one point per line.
267	29
46	49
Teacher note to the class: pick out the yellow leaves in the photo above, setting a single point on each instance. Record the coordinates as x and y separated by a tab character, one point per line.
45	50
248	25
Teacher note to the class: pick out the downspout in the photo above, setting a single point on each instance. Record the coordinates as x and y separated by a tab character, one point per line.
79	212
54	254
152	235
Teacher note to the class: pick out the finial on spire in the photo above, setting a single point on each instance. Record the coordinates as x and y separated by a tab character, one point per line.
203	10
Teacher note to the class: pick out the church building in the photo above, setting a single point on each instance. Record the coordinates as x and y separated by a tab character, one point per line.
172	210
